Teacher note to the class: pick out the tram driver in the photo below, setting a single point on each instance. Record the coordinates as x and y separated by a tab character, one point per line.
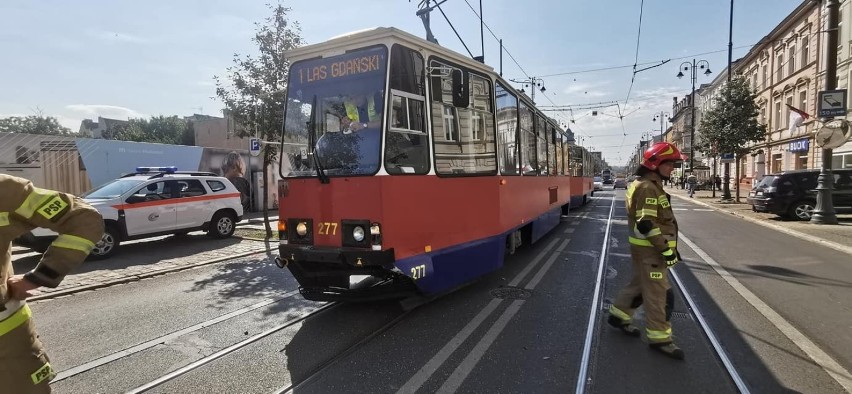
361	112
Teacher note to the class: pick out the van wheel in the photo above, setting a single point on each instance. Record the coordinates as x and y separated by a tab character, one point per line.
107	245
222	225
802	210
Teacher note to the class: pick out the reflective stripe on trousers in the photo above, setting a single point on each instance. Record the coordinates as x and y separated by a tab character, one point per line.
16	313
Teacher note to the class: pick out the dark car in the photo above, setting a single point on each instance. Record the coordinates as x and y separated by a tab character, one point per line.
619	183
792	194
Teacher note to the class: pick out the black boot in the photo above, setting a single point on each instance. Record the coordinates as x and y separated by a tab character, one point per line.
626	328
669	349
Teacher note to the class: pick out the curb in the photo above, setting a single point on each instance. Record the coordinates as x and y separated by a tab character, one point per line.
797	234
134	278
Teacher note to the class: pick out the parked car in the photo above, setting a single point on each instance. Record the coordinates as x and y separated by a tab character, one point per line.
156	201
792	194
598	182
620	183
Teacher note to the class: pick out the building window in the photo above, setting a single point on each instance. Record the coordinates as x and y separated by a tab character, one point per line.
805	53
754	81
765	73
801	161
791	64
803	100
777	115
787	118
776	163
780	67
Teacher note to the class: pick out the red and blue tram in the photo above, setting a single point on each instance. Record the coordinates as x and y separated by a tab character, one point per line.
410	169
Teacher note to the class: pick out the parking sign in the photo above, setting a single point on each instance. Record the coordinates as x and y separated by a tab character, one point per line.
254	146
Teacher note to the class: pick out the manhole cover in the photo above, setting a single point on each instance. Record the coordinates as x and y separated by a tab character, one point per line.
511	293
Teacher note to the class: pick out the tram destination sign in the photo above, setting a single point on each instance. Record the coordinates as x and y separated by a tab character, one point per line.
832	103
350	65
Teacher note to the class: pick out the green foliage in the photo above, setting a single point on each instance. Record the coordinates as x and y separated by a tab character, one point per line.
255	89
732	125
158	129
34	124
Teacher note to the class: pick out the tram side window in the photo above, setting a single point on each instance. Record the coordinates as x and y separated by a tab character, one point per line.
541	137
507	126
406	144
566	156
463	137
528	141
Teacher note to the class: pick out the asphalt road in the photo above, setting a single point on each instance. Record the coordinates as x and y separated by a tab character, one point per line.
521	329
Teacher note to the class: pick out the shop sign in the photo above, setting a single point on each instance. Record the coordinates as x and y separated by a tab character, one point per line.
801	145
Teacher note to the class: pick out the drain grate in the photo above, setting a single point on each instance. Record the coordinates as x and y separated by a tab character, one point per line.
681	315
511	293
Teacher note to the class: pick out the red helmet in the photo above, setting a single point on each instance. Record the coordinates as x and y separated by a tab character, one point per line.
660	152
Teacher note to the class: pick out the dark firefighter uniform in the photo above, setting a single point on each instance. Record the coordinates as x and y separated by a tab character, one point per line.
653	239
24	366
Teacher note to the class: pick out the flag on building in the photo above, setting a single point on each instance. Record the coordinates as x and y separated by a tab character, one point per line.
797	117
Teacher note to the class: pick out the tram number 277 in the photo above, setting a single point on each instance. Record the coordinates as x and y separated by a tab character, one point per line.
418	272
326	228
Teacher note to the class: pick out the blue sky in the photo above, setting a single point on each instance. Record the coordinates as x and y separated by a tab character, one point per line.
119	59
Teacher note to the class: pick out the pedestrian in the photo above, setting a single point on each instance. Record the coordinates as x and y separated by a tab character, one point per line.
691	184
718	181
24	366
653	248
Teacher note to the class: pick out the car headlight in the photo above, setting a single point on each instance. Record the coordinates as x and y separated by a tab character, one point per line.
358	233
301	229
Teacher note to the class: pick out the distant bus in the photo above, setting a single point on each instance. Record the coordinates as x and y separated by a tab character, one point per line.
607	176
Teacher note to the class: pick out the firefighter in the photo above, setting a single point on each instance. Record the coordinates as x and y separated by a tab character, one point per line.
24	366
652	232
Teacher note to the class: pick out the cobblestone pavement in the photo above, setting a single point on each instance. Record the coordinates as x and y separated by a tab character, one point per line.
144	258
837	236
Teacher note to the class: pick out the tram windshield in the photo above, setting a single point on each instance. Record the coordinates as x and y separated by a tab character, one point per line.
333	119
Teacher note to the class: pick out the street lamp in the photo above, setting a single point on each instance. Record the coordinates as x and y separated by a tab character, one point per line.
534	82
662	116
693	67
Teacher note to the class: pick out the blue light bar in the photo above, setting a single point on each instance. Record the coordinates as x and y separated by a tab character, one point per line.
169	169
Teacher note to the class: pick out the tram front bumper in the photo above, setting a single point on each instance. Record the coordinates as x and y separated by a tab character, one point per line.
344	274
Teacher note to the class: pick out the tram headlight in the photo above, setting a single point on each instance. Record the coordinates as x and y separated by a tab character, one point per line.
358	233
301	229
375	229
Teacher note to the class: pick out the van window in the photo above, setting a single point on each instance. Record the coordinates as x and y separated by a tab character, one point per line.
216	185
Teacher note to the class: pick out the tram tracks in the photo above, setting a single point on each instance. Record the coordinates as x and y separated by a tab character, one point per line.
594	322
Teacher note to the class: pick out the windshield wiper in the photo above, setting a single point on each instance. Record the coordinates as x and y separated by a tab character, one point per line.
312	130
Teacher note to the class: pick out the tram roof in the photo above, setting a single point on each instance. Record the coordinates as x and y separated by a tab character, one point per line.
379	35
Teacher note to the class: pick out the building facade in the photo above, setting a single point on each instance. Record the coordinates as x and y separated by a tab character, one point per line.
842	156
783	70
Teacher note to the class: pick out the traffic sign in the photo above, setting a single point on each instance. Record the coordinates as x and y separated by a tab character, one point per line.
254	146
726	158
832	103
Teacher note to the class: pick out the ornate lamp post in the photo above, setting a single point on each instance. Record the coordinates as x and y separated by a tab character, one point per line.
663	117
693	67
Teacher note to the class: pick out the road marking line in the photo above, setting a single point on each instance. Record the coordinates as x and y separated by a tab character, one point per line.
568	230
576	222
466	367
828	364
421	376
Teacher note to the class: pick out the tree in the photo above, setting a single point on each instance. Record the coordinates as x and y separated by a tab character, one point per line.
34	124
159	129
731	126
255	89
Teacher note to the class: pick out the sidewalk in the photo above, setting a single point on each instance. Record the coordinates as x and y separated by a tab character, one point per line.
257	218
837	236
